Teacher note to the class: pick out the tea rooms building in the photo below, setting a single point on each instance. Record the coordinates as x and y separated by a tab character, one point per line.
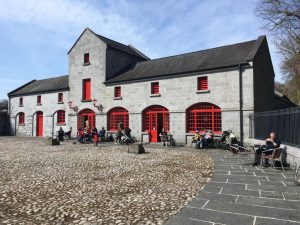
109	82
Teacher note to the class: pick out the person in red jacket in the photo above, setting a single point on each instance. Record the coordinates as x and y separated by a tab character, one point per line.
95	136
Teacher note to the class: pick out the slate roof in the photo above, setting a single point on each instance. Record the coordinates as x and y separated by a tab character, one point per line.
215	58
40	86
129	49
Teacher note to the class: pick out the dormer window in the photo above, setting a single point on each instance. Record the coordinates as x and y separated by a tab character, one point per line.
86	59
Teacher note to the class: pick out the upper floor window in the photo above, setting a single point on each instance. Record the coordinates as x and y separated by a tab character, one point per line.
21	118
202	83
60	98
61	117
21	101
86	89
39	100
86	58
155	88
118	92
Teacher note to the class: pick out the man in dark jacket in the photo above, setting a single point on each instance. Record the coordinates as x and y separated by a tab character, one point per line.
271	143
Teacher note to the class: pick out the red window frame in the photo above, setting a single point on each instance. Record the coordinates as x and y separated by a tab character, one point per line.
21	118
61	117
204	116
21	101
202	83
60	98
155	88
39	99
118	92
116	115
86	89
86	58
148	122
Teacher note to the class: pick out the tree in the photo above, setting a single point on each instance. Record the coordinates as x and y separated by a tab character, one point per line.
282	20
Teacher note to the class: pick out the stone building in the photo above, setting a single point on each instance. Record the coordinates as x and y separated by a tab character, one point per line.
109	82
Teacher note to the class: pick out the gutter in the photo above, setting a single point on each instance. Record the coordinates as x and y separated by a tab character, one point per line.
175	75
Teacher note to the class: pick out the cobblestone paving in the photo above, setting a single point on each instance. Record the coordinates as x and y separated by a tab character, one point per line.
239	194
82	184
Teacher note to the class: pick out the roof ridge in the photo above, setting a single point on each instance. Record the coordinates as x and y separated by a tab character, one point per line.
52	78
203	50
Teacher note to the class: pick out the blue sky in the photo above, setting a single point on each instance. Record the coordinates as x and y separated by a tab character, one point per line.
37	34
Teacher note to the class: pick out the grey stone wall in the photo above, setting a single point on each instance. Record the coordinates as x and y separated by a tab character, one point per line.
49	107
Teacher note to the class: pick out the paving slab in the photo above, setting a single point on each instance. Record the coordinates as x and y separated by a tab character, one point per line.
240	194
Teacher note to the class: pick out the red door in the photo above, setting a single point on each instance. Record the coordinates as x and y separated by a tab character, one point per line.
39	124
86	115
153	132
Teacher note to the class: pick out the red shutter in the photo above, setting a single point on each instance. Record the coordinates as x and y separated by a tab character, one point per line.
202	83
39	100
21	118
118	92
61	117
155	88
86	95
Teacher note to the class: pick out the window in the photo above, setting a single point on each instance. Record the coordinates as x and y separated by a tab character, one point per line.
60	98
115	116
118	92
204	116
21	118
86	89
155	88
39	100
202	83
61	117
21	101
86	58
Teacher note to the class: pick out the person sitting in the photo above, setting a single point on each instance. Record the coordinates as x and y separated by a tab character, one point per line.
68	133
197	139
119	134
95	136
163	137
61	134
102	134
272	142
207	138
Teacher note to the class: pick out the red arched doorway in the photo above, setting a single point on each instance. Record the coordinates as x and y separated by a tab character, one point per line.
115	116
155	118
39	124
203	115
86	115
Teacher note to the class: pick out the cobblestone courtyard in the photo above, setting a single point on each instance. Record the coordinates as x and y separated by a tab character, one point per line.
82	184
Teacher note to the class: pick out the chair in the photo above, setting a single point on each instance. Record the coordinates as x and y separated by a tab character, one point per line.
275	156
238	150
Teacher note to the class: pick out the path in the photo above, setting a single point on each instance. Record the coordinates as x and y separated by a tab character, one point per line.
239	194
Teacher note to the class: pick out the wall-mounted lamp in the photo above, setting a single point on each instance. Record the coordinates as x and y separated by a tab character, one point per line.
99	106
72	106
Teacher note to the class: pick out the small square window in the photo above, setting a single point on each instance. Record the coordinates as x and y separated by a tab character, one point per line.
202	83
86	59
60	98
118	92
21	101
155	88
39	100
